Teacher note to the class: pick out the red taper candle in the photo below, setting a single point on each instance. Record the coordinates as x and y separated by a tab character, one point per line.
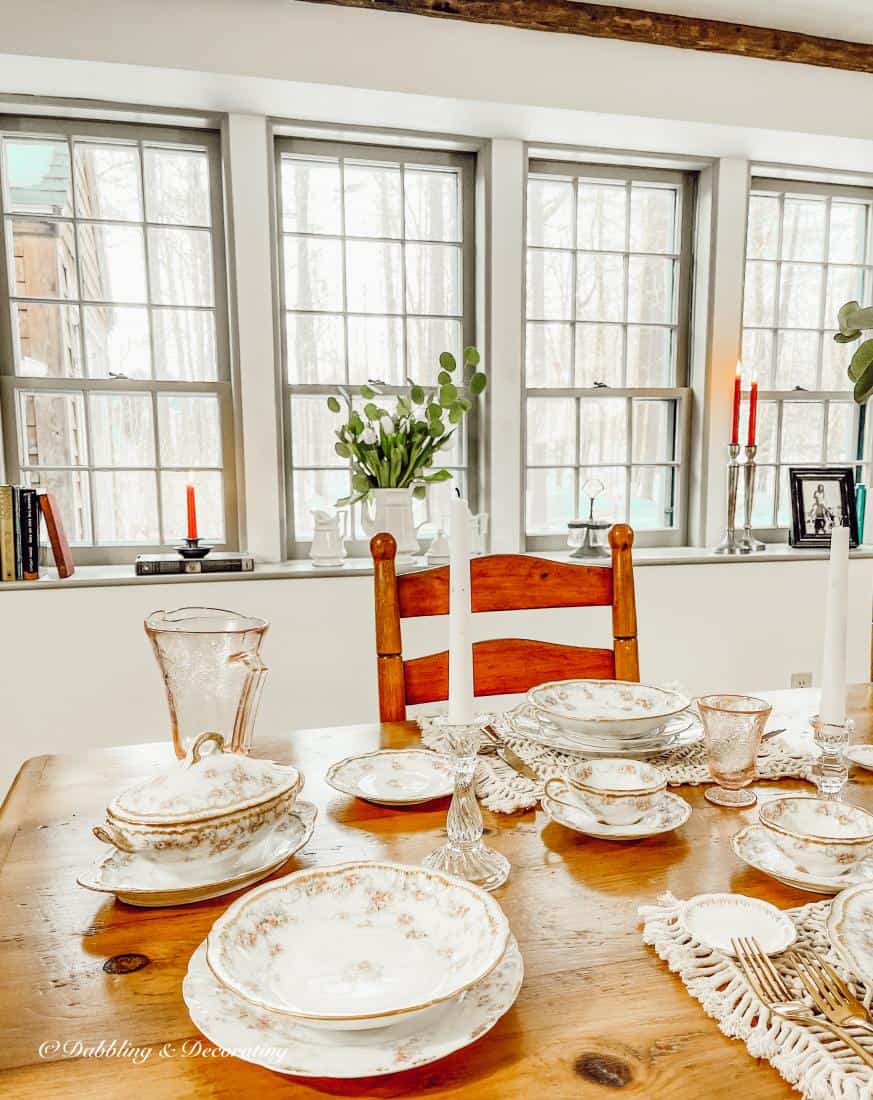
753	413
735	412
192	513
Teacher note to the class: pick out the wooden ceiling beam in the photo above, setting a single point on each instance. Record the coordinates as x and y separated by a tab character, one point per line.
630	25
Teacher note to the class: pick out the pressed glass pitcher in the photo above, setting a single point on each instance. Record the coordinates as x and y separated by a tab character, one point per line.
211	664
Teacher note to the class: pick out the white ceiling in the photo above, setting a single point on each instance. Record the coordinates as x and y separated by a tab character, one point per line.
846	19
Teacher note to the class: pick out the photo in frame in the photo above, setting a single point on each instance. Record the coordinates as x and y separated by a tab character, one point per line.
822	497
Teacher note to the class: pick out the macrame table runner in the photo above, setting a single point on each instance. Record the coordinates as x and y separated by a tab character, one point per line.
504	791
816	1063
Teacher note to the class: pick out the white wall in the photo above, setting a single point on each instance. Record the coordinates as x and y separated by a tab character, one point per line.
77	669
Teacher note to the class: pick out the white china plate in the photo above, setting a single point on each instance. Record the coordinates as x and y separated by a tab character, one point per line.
862	755
394	777
142	881
672	812
850	929
600	707
677	733
716	919
279	1043
754	847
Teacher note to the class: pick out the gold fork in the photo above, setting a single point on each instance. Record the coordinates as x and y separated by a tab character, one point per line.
828	991
770	988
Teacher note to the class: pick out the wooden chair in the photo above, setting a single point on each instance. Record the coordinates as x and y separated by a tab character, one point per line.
502	582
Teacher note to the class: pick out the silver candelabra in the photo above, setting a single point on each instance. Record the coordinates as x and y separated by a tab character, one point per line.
749	538
732	543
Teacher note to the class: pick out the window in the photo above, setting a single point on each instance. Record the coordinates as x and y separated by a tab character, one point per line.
116	382
808	251
607	289
377	280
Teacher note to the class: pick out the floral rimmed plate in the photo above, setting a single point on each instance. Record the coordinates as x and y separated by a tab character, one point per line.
285	1045
850	929
754	846
862	755
137	880
670	813
675	733
600	707
402	777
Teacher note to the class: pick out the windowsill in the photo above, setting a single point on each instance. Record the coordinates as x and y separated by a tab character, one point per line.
100	576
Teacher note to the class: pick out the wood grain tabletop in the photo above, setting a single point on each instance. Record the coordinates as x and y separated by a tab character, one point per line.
598	1016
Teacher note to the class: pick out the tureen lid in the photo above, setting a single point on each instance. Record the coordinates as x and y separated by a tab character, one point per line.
209	782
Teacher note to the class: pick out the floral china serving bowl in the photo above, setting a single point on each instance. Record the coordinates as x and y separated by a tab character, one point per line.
612	707
819	836
209	806
616	791
357	945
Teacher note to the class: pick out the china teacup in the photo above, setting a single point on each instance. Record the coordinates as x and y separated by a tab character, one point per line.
820	836
615	791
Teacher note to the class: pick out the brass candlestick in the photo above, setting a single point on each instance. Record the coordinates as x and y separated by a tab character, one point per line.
732	543
749	538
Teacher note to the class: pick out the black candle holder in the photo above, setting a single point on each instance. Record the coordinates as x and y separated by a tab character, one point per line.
193	548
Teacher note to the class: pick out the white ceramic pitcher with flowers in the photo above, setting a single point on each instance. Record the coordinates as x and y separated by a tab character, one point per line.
391	510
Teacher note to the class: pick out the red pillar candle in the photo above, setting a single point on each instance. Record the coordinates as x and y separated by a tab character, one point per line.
735	412
192	513
753	413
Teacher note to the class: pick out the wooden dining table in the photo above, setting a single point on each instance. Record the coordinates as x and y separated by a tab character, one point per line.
599	1014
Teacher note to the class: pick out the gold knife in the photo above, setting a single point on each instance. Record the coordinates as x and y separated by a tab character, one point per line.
510	757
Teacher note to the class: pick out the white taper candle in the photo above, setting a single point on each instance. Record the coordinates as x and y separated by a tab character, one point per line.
460	616
833	668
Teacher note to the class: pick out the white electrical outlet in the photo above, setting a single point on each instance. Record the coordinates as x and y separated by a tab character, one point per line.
801	679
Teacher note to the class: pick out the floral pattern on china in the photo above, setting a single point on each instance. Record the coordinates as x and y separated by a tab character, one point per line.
850	928
820	836
606	706
394	777
358	944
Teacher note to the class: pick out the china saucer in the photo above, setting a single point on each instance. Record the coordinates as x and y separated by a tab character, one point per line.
862	755
280	1043
850	929
394	777
677	733
754	847
716	919
671	812
145	883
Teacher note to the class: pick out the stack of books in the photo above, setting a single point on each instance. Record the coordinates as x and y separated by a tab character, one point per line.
20	511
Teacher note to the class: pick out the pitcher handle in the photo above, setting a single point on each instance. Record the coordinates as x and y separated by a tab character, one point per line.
250	697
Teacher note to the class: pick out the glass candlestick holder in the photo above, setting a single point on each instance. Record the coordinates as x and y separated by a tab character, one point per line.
831	768
465	854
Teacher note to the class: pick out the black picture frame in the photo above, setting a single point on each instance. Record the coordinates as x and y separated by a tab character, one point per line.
809	530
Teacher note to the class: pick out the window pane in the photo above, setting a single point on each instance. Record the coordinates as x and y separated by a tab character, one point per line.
176	186
107	182
427	338
374	277
551	431
549	503
313	274
117	341
650	289
189	429
180	266
52	429
848	232
598	355
315	348
184	342
550	212
372	200
112	263
549	286
762	241
842	432
652	219
46	340
312	432
803	229
432	205
611	503
126	507
844	284
433	279
800	293
311	196
758	356
316	489
602	217
783	512
71	489
38	177
759	299
835	363
797	360
802	431
209	488
42	259
653	431
376	351
767	429
764	506
650	357
122	432
651	504
599	287
602	430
